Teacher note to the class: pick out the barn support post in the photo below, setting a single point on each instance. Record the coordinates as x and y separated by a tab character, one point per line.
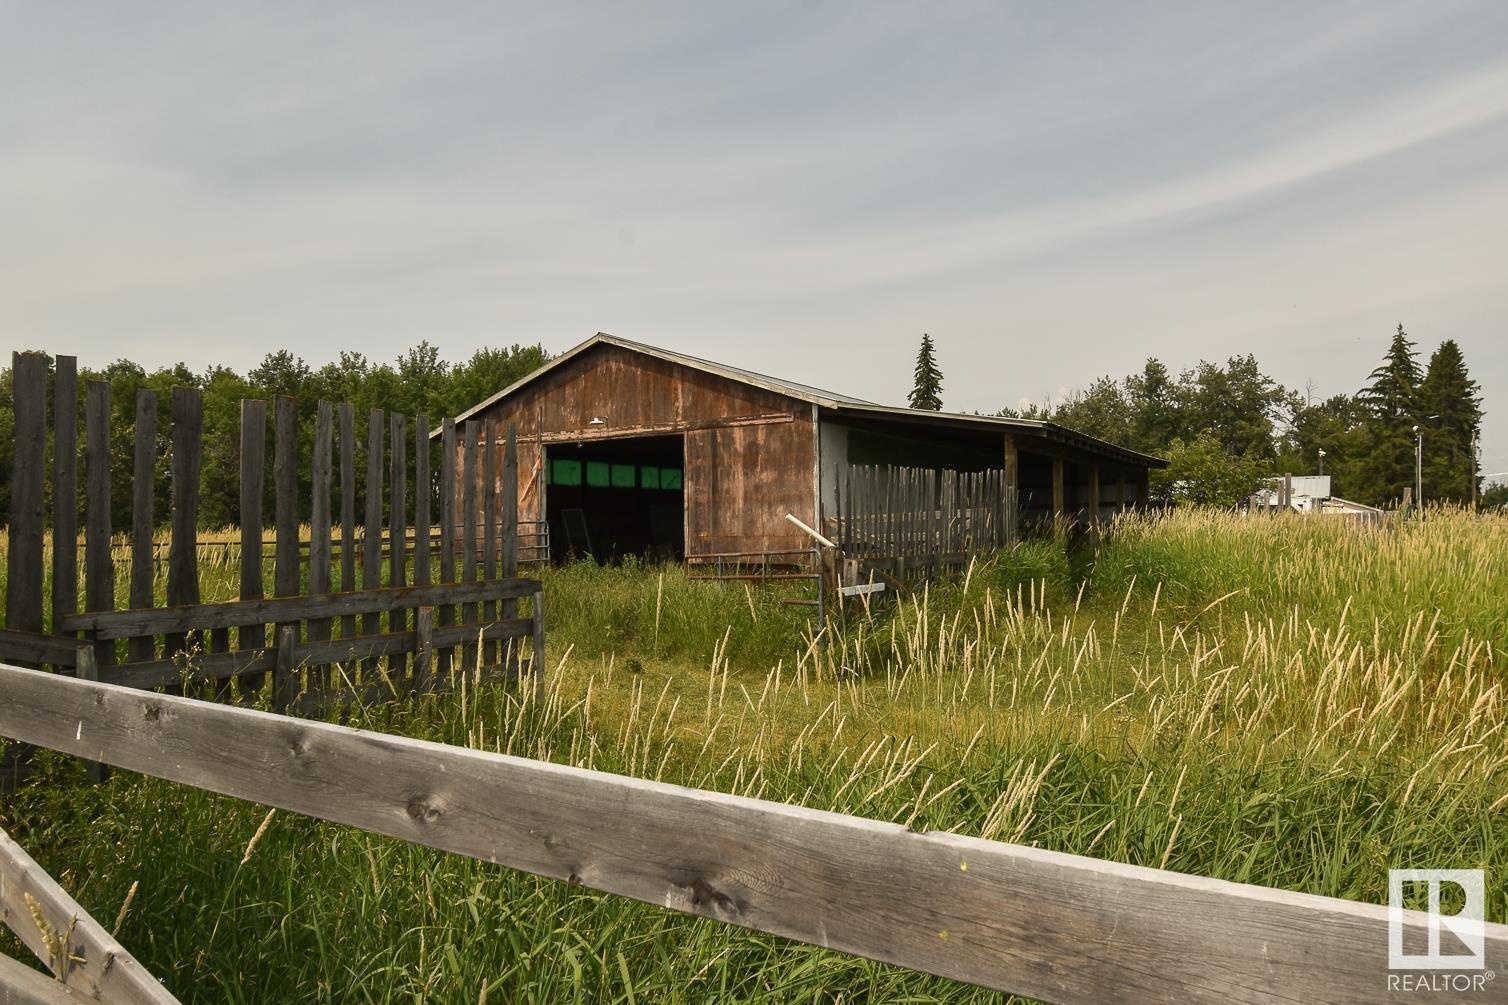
1120	494
1057	487
1012	486
1093	501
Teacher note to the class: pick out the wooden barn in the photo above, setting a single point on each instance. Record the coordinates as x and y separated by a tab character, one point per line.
625	448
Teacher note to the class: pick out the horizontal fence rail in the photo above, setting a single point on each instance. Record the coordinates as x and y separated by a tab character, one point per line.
1057	927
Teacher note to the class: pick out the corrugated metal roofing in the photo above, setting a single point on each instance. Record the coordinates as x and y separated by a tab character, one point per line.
841	403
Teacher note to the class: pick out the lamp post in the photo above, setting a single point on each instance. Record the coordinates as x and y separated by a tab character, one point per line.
1418	467
1322	461
1475	434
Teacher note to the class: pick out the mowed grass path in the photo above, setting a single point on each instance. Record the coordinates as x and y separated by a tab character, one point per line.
1297	703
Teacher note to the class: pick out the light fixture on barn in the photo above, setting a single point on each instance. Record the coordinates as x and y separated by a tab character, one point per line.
597	420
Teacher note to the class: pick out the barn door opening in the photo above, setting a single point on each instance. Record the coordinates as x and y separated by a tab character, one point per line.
608	499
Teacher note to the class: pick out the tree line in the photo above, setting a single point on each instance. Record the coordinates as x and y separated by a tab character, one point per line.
418	382
1226	427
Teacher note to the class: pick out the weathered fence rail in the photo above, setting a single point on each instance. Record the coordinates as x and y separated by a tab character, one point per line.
1061	928
86	960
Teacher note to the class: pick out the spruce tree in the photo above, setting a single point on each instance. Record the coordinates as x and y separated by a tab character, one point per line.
1392	402
1451	409
927	390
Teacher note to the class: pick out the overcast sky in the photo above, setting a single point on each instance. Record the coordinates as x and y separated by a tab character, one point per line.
1054	192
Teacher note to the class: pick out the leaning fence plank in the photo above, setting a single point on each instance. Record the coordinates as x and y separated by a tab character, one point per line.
447	613
371	542
1026	920
99	564
319	514
143	497
253	460
65	488
75	947
183	548
23	598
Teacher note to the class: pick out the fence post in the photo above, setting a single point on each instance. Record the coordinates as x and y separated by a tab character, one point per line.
183	548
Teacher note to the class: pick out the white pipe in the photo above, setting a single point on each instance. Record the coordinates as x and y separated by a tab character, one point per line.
818	537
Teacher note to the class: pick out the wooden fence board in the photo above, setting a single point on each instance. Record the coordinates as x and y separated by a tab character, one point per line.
489	525
99	563
253	464
81	953
285	568
319	514
469	478
423	491
347	506
371	551
183	553
1025	920
65	488
398	529
447	612
143	498
23	597
510	529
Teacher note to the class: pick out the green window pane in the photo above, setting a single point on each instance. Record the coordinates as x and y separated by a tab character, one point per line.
623	476
567	472
649	478
670	478
598	474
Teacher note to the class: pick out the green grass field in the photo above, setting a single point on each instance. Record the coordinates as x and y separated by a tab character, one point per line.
1293	702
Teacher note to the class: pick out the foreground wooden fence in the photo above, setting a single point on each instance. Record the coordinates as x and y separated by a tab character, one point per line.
341	592
1061	928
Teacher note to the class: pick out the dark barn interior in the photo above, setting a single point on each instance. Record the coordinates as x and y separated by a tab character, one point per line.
608	499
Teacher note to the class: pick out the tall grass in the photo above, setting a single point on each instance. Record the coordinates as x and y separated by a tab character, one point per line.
1296	703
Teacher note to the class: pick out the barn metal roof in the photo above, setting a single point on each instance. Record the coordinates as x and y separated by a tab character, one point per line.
838	403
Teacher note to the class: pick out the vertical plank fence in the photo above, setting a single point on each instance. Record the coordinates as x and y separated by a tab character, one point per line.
395	632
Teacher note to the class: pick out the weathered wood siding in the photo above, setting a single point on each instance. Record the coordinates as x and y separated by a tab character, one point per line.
750	453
